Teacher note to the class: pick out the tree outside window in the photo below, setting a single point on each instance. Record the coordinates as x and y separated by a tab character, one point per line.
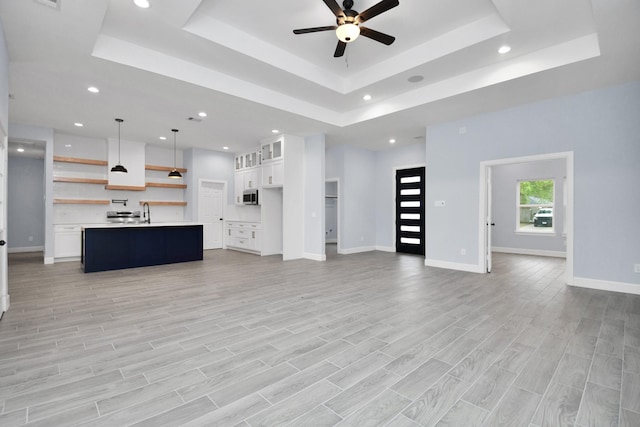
535	207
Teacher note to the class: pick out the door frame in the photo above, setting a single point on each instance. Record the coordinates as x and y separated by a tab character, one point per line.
483	228
338	207
5	301
395	169
224	203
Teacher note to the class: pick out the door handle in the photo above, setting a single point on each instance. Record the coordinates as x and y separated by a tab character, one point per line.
2	243
220	219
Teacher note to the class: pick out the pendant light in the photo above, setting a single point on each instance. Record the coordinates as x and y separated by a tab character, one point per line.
174	173
119	168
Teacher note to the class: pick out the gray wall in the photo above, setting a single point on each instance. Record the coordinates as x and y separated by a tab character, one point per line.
355	169
4	82
601	128
25	203
505	198
314	170
387	162
46	135
205	164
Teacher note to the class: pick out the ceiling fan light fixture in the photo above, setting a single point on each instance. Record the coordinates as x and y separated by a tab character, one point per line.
348	32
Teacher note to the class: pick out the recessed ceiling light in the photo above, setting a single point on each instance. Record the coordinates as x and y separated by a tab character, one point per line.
142	3
415	79
274	131
202	114
225	148
367	97
93	89
504	49
392	141
20	150
77	124
163	138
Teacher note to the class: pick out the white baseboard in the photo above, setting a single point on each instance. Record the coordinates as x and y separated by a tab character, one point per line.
471	268
386	248
521	251
48	260
605	285
5	302
350	251
314	257
26	249
331	240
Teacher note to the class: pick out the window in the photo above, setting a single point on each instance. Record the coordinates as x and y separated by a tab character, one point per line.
535	206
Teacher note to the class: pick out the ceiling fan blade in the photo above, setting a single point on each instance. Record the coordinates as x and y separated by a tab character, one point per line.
377	35
377	9
314	29
340	49
334	6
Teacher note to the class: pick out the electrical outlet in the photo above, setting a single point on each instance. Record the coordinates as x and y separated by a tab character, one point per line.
31	238
463	251
636	268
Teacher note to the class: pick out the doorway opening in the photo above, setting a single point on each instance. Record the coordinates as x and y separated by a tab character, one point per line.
410	210
331	217
488	215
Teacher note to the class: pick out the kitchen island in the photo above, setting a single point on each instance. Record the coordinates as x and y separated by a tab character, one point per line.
118	246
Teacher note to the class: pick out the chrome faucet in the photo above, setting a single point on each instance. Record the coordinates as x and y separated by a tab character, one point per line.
146	212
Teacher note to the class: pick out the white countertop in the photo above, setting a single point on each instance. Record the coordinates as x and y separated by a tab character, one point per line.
144	224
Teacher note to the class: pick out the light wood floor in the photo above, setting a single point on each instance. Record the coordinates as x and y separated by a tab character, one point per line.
367	339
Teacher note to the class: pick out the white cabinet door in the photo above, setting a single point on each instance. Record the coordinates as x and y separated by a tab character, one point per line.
68	241
251	179
238	187
273	174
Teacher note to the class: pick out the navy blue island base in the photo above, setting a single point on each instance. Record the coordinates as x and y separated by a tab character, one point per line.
114	248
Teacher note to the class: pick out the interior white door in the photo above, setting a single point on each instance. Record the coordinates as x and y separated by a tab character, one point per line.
210	202
489	221
4	281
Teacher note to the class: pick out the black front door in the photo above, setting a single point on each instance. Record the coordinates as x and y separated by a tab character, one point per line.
410	211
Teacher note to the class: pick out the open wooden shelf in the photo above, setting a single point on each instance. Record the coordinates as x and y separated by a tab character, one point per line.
161	203
165	185
79	180
124	187
163	168
80	202
79	160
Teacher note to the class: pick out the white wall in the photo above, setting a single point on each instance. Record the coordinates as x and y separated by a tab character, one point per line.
601	127
504	207
25	203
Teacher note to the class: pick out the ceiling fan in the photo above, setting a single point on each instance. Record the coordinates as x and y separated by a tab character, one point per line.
348	23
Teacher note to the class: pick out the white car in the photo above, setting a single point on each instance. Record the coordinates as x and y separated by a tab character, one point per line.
543	218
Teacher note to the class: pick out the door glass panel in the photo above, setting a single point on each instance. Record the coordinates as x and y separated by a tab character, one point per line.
410	204
409	179
409	216
410	241
410	228
410	192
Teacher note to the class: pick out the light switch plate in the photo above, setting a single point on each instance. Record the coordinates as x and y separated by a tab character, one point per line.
439	203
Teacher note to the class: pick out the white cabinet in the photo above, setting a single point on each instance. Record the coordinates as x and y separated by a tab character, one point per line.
273	150
251	179
247	174
273	174
67	241
243	236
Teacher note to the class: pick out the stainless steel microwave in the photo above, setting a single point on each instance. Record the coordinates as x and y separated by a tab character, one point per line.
250	197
